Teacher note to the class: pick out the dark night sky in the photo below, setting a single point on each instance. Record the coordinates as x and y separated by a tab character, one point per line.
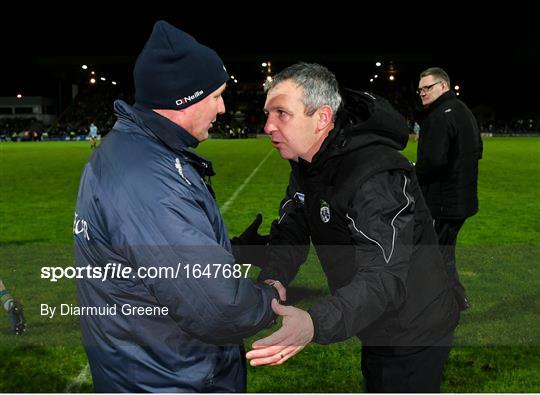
494	54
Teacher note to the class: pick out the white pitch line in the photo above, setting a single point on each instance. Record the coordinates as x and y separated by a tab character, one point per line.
83	377
229	202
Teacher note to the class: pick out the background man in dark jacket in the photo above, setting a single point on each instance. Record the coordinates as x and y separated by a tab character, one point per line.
356	198
447	166
177	321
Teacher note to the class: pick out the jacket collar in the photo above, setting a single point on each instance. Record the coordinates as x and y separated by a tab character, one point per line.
172	135
364	119
176	138
446	96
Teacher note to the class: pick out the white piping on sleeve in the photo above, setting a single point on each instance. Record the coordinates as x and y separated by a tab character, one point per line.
391	223
282	207
370	95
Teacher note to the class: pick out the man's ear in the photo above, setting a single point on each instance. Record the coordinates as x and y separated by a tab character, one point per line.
324	117
446	87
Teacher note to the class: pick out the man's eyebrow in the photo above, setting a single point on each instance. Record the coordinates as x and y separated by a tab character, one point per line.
268	109
275	107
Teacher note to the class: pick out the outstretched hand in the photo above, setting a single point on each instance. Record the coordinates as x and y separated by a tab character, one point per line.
295	333
251	235
251	247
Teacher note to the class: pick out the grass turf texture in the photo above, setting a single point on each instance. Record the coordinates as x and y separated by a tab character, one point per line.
498	341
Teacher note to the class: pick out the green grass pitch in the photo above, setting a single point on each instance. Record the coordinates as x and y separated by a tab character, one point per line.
498	340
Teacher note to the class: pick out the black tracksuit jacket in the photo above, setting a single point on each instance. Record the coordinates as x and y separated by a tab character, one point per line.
360	205
448	152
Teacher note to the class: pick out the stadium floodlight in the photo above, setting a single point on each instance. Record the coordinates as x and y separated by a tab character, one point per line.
84	67
378	64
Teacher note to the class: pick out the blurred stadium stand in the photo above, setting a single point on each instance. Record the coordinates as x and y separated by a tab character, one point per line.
34	118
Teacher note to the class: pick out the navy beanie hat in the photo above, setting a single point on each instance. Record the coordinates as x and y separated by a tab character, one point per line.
174	71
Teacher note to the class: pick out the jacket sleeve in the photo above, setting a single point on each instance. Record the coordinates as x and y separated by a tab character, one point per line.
381	222
289	238
435	140
218	307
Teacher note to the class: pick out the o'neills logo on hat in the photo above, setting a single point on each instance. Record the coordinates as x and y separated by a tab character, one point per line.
187	99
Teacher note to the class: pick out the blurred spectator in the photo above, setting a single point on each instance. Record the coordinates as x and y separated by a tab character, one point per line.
14	310
93	134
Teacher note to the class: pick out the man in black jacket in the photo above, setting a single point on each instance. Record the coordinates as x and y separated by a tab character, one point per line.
356	198
447	167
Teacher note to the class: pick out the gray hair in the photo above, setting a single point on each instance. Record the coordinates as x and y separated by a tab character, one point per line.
319	84
436	72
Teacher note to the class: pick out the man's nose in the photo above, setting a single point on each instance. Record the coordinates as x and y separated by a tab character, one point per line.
269	127
221	106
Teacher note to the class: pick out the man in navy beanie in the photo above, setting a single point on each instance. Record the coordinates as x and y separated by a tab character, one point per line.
144	205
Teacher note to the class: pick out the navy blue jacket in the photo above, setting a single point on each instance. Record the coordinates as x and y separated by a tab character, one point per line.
143	203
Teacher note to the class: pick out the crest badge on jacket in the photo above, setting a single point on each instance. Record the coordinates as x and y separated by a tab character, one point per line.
325	212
